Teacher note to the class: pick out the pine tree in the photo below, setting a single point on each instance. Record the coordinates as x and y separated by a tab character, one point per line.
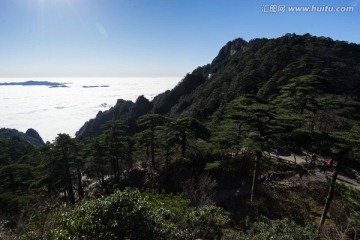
62	156
259	123
186	129
150	123
115	140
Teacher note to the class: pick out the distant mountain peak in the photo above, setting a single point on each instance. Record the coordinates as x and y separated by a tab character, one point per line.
31	136
35	135
231	48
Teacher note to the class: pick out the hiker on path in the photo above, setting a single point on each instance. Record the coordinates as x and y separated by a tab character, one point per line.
330	164
313	159
324	167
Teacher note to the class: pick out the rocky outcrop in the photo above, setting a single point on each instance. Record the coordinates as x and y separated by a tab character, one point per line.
32	133
231	48
127	111
31	136
95	125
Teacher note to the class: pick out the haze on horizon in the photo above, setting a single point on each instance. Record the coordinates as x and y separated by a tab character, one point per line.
76	38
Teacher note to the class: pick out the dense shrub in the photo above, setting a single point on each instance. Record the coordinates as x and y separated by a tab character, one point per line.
134	215
284	229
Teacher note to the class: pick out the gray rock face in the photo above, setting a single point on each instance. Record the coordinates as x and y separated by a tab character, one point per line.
230	49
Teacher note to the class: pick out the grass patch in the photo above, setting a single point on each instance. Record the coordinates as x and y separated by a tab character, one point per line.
278	165
352	197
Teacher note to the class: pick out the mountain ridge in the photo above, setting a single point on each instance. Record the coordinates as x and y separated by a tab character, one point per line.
31	136
262	67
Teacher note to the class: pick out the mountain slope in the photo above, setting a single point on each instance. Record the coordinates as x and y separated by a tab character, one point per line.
263	67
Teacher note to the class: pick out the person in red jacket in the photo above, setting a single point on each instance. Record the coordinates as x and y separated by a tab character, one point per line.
330	164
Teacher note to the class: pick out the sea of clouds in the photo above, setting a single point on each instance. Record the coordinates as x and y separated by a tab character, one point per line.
65	109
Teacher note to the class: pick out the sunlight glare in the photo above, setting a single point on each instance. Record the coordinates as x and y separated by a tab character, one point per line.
40	4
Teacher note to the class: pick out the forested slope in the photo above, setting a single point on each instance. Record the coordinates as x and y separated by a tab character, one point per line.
297	66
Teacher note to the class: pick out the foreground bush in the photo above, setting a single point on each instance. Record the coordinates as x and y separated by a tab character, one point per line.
280	229
134	215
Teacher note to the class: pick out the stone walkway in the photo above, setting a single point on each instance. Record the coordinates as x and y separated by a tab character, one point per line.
317	173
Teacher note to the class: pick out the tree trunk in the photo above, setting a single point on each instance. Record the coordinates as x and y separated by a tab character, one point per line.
147	152
152	149
130	156
329	196
79	183
254	185
12	182
70	189
117	168
167	157
302	106
102	178
113	165
183	145
69	186
255	176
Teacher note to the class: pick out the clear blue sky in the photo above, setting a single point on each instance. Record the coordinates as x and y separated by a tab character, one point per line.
55	38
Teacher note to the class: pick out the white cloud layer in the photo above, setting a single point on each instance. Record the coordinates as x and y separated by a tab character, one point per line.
64	110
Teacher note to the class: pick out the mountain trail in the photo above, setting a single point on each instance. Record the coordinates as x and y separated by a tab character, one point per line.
318	173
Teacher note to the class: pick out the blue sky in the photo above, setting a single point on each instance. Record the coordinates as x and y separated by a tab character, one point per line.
147	38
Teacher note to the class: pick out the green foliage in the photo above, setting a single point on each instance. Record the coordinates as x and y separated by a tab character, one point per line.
300	93
13	150
122	215
13	203
352	197
224	136
213	165
349	138
96	162
150	124
280	229
164	102
206	222
115	143
16	175
253	115
64	155
260	122
188	128
134	215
